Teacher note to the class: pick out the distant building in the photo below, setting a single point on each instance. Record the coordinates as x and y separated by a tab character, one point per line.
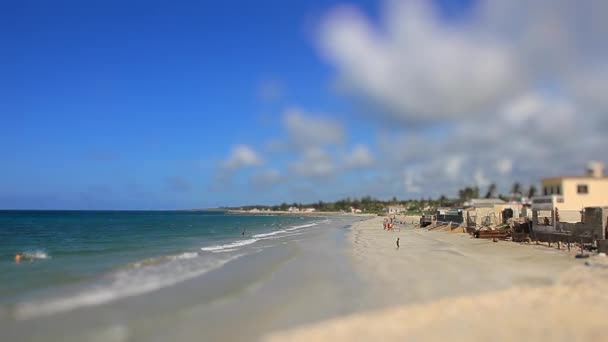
492	211
355	211
395	209
293	210
309	210
446	215
483	202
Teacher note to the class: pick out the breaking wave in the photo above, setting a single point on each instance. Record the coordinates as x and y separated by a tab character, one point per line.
270	234
144	278
229	245
39	254
254	238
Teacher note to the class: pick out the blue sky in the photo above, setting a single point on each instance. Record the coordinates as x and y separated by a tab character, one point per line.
166	105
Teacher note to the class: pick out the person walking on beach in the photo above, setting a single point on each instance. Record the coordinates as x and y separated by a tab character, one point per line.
397	243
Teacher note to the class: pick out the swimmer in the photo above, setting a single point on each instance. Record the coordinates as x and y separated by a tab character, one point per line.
243	233
18	258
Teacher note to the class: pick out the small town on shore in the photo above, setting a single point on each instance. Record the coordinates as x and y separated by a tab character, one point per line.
568	212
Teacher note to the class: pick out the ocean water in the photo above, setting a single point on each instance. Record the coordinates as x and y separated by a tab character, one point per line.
74	259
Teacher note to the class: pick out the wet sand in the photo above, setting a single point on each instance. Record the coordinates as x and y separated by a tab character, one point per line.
441	285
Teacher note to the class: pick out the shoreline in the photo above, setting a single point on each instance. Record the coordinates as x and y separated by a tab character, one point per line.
440	285
266	288
345	280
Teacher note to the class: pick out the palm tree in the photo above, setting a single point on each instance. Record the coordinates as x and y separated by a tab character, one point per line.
491	191
516	191
468	193
531	191
516	188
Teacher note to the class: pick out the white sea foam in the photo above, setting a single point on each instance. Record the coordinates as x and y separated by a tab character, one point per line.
262	236
302	226
239	243
39	254
183	256
270	234
126	283
284	236
163	259
232	246
225	250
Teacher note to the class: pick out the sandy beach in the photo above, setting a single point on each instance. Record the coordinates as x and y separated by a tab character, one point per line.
345	279
441	285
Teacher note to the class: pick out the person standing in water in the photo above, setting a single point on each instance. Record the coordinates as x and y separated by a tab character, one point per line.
397	243
243	233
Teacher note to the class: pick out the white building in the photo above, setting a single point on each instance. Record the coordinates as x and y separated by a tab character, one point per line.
564	198
395	209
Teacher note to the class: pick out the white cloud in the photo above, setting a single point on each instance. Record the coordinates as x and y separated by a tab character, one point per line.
418	67
511	91
410	182
399	148
423	67
266	178
516	78
276	146
504	166
314	163
522	109
242	156
309	131
589	86
480	178
543	114
360	157
453	167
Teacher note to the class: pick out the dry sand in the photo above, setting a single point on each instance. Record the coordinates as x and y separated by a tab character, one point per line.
440	286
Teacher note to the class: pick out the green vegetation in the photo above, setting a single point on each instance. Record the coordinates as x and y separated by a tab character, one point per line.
368	204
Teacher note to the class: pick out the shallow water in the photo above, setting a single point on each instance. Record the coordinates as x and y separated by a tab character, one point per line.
154	275
63	248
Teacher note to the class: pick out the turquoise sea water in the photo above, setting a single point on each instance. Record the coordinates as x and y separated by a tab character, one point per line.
99	256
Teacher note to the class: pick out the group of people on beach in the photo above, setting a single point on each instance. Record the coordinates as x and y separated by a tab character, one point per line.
389	223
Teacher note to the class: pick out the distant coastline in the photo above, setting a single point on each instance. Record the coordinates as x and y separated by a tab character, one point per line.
290	213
